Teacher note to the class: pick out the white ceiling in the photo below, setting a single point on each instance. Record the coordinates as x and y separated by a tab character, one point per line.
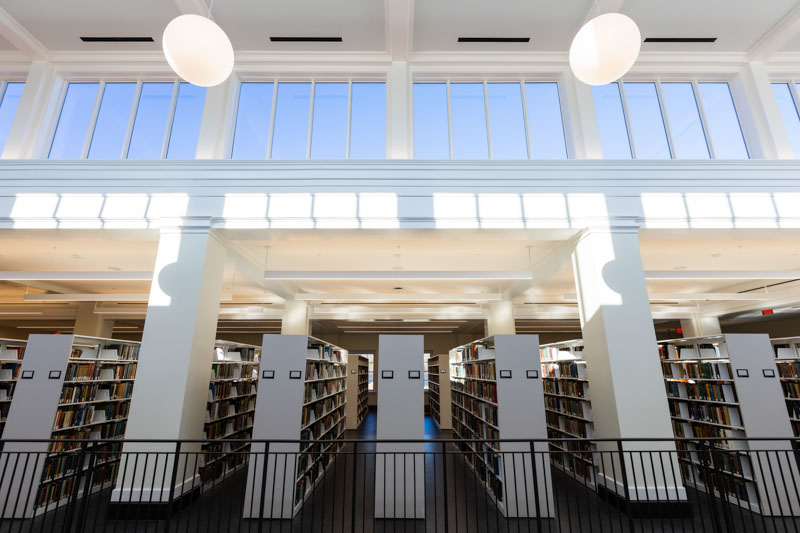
436	24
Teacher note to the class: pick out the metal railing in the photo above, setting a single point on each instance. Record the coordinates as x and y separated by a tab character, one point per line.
706	485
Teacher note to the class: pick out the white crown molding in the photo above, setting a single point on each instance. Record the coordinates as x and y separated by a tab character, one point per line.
20	37
776	38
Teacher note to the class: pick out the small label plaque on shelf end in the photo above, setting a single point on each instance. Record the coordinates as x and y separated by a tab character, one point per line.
742	373
414	374
532	374
54	374
505	374
27	374
768	372
295	374
387	374
267	374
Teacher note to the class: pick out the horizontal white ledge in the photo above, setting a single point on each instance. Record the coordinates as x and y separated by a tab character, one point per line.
92	297
397	274
398	297
722	274
75	276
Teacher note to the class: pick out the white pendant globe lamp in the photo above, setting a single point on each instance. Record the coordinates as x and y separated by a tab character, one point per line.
198	50
605	49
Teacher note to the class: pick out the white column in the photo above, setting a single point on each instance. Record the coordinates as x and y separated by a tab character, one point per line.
583	135
36	114
295	319
501	318
88	323
761	119
627	387
700	326
171	388
398	111
219	117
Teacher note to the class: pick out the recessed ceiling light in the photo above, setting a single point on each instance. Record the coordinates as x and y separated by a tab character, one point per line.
305	39
494	39
117	39
680	39
398	288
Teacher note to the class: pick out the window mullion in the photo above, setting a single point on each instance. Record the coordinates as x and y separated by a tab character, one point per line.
486	112
449	120
349	117
3	87
626	116
275	85
699	100
93	120
231	136
131	119
795	97
170	117
310	118
665	119
525	119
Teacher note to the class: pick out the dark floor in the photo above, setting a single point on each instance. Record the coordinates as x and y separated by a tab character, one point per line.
459	505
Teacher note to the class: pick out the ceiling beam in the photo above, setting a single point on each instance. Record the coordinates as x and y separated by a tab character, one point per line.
698	296
396	274
192	7
549	264
21	38
400	297
399	28
75	276
722	274
787	28
603	6
253	269
94	297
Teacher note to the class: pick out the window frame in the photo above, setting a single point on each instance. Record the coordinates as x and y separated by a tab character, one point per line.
695	82
485	81
101	85
276	80
794	92
3	86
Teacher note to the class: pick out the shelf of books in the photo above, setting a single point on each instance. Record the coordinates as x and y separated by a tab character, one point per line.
724	387
230	408
306	376
439	390
357	390
568	407
787	357
75	388
488	405
11	355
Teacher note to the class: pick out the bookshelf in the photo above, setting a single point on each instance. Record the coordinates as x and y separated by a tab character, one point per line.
400	466
230	408
71	387
568	407
302	396
725	387
787	358
497	394
439	390
357	390
11	354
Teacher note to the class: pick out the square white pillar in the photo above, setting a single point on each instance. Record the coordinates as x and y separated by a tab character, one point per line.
169	400
628	396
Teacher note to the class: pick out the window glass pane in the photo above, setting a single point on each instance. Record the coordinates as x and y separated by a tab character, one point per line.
73	123
431	136
186	122
112	121
8	110
647	125
544	121
789	114
688	137
368	121
506	121
329	129
150	124
290	138
469	121
611	122
722	121
251	135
